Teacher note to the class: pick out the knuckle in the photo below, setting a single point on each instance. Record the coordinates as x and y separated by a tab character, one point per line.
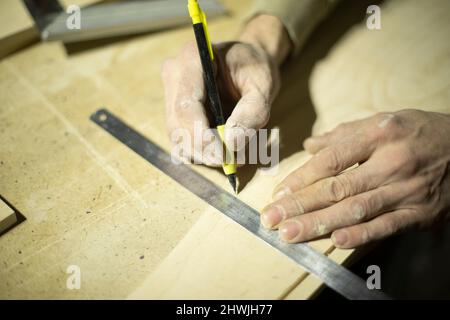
332	161
366	236
359	210
404	113
405	159
381	116
391	226
298	203
388	125
320	227
336	189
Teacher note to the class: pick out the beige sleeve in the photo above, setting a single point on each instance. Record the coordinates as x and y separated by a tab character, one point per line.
300	17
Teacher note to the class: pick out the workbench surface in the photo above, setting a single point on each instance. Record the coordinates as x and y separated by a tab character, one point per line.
91	202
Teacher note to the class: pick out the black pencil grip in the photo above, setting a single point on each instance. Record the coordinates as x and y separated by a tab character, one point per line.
208	75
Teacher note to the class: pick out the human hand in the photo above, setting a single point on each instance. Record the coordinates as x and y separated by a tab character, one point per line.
402	181
248	76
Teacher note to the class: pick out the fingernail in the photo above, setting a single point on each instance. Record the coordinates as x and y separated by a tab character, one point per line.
339	238
290	230
281	193
271	216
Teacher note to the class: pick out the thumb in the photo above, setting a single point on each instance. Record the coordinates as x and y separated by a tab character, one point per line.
251	113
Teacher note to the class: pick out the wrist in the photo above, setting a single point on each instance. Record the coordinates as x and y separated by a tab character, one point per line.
268	33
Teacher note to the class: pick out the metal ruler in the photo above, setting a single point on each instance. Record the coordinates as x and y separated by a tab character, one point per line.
332	274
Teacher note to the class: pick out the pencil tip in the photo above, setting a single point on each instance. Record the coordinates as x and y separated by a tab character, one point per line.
233	182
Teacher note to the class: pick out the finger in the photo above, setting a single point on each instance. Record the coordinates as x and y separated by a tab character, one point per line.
371	128
251	113
336	136
257	83
379	228
329	162
320	195
351	211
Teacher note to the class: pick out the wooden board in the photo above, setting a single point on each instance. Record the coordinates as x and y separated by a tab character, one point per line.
16	27
133	232
7	217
